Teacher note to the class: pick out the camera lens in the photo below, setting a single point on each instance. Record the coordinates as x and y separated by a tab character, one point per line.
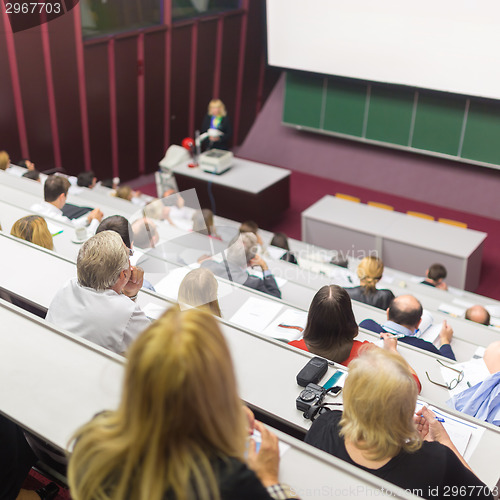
307	395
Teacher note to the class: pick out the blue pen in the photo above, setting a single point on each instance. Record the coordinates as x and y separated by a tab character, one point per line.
439	419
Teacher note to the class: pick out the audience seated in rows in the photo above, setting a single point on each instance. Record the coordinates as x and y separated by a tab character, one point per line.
331	329
241	254
203	223
34	175
86	179
378	432
435	275
280	240
4	160
145	233
120	225
199	289
34	229
404	316
482	400
251	226
370	271
478	314
55	191
180	430
100	304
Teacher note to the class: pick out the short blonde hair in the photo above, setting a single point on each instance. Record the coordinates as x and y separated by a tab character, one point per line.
4	160
34	229
380	395
199	289
370	271
217	102
179	410
124	192
101	260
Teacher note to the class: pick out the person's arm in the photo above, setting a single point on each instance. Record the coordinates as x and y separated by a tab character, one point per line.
391	344
445	337
135	282
269	284
430	429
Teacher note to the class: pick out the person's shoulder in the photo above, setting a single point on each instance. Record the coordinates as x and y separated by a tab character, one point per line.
324	428
373	326
236	480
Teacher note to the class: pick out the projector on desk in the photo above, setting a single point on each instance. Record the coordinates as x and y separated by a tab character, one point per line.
216	161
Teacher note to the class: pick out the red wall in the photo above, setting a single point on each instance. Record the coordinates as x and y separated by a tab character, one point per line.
114	104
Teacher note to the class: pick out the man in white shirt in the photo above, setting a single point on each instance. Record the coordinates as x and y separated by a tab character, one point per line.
55	193
100	305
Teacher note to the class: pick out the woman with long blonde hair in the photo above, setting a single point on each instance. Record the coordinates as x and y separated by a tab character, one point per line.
180	430
379	432
34	229
370	271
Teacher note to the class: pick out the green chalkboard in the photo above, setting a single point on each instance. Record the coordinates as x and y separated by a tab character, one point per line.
344	107
303	100
482	132
438	123
459	127
390	115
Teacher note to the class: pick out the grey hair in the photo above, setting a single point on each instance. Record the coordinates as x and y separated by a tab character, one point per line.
101	260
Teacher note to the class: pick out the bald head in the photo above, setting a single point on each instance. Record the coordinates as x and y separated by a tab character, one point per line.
478	314
405	310
492	357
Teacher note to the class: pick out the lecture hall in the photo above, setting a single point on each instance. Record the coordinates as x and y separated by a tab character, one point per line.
249	249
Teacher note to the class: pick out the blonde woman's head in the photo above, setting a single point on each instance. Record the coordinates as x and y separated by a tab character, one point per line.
124	192
33	228
4	160
199	289
216	108
370	271
380	394
179	410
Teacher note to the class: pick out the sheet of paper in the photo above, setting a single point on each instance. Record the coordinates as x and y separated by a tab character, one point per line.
255	314
462	303
493	310
256	436
475	371
169	285
153	311
432	333
452	310
275	252
459	430
426	323
53	227
288	325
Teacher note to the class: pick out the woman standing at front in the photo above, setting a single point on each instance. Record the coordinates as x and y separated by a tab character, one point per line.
218	126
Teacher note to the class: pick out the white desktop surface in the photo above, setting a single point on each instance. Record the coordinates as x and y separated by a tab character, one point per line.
396	226
244	175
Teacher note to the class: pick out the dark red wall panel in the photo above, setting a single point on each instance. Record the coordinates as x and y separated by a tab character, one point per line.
179	101
32	81
126	106
97	84
9	135
154	71
65	76
253	56
229	67
207	34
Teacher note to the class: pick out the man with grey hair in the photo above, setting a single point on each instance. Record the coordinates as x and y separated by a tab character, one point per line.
100	304
242	253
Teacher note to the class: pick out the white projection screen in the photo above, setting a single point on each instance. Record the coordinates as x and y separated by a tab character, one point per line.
446	45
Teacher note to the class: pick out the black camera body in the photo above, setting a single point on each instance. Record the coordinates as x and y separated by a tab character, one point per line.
312	395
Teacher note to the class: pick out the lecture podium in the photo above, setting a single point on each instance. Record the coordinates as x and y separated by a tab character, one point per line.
247	191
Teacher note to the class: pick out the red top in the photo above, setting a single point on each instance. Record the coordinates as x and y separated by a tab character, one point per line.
355	351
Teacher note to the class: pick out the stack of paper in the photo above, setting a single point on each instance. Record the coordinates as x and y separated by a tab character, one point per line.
289	325
255	314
